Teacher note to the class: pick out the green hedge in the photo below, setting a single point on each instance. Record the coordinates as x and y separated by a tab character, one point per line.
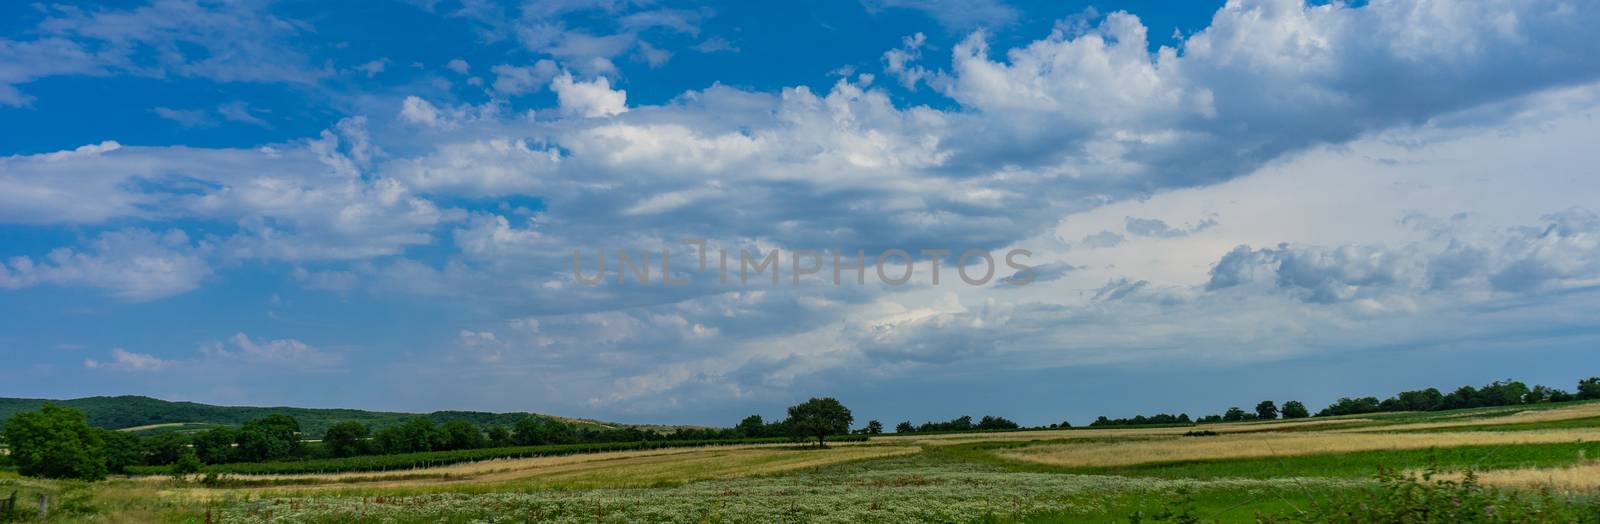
442	458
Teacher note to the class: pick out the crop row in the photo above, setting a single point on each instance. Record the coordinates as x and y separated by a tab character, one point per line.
442	458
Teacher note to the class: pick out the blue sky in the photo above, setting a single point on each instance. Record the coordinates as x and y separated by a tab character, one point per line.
375	204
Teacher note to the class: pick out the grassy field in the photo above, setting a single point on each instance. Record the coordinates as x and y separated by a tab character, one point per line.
1077	475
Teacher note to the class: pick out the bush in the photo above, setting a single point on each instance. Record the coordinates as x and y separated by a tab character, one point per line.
56	442
187	464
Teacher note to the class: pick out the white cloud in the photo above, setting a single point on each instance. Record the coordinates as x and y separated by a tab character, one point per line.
519	80
418	111
489	167
594	98
459	66
123	360
374	67
288	353
132	264
228	42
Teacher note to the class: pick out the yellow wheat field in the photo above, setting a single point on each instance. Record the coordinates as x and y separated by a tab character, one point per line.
1113	433
1250	445
1583	478
601	470
1524	417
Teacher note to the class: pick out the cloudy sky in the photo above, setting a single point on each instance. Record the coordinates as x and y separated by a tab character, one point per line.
376	204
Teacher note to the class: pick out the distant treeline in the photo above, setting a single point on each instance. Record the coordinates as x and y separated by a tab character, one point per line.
134	411
1500	393
962	423
58	442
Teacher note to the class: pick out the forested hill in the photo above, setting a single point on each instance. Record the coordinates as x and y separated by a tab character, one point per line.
135	411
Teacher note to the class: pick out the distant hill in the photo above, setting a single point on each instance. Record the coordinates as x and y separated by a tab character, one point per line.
145	414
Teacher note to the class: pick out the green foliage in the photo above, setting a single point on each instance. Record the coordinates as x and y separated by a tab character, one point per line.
215	446
417	435
1180	509
819	417
1499	393
134	411
186	464
1267	410
1234	414
165	448
874	427
122	450
1159	419
499	436
1589	389
56	442
345	439
991	422
751	426
460	434
536	430
1294	409
273	437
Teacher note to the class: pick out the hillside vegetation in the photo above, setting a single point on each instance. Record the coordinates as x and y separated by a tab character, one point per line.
156	415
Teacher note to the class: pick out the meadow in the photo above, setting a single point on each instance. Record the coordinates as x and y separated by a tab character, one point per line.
1234	472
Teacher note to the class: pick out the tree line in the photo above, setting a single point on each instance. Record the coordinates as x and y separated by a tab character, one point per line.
962	423
1498	393
58	442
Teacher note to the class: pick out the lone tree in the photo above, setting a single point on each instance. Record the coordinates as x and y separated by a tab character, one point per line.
1267	410
1294	409
874	427
1234	414
56	442
820	417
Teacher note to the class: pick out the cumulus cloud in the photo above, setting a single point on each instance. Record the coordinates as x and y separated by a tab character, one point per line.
1154	227
124	360
593	98
228	42
482	205
288	353
132	264
1563	252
